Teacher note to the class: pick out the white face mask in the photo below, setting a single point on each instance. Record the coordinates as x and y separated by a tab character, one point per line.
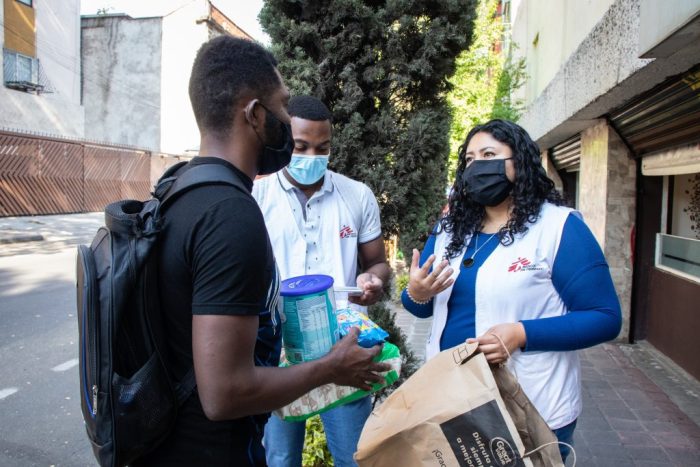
308	170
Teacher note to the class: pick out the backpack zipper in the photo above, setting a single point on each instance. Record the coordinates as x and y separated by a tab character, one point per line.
92	320
88	357
94	400
90	344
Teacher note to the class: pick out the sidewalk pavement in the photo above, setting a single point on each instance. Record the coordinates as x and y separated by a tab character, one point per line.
639	409
47	234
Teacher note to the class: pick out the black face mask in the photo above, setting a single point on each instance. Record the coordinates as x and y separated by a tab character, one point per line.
486	181
277	152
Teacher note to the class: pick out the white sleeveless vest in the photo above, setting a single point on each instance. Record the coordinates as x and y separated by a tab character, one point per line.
513	284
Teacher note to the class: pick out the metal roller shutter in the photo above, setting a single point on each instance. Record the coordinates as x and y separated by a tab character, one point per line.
665	117
566	156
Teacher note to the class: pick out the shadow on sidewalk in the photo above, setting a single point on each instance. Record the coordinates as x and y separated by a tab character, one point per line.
47	234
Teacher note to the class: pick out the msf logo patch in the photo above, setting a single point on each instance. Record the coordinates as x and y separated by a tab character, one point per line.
347	232
522	264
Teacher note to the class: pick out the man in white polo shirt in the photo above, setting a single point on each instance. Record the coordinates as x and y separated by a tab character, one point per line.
321	222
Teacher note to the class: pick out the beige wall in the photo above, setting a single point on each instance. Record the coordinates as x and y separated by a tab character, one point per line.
659	20
607	184
139	69
559	27
593	177
56	44
121	90
45	113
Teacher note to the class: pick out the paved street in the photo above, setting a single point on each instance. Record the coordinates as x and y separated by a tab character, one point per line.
39	404
46	234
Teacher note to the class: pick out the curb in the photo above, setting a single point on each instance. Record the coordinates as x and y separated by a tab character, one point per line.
21	239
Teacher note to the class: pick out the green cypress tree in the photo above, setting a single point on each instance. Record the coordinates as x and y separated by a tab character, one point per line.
382	67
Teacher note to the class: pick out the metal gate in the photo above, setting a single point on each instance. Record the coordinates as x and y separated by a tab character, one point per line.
40	175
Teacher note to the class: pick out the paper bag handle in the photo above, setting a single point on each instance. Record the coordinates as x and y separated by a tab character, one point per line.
463	353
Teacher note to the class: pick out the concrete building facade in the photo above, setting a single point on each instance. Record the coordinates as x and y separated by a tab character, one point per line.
41	67
144	63
613	100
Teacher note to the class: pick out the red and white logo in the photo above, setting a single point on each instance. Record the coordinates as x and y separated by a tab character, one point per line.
347	232
519	265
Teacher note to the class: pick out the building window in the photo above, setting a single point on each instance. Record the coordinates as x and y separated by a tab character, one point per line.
678	255
678	250
20	71
26	2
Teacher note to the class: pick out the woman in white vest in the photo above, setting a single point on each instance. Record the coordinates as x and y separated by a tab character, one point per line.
510	267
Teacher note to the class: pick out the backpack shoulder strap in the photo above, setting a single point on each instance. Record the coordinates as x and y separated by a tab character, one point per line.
342	185
184	388
172	186
169	187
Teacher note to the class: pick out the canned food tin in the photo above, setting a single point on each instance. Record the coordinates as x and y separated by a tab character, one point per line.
310	327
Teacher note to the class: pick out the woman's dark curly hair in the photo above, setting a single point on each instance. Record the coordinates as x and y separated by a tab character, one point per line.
531	188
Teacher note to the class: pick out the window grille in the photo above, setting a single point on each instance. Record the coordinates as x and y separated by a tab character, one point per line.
24	73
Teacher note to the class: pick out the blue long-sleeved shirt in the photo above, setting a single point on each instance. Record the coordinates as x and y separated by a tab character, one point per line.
580	276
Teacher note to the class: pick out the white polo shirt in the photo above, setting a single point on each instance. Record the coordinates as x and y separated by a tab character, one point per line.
322	236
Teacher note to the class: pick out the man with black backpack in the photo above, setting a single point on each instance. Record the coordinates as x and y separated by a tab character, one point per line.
217	288
218	277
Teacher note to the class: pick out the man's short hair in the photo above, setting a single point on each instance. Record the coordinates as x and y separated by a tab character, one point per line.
308	108
225	68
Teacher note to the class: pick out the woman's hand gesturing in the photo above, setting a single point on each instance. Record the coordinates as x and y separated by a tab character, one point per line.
423	284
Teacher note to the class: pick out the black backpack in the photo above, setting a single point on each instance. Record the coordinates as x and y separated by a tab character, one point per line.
128	397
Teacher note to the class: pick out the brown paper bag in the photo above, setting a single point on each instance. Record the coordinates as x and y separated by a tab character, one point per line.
451	413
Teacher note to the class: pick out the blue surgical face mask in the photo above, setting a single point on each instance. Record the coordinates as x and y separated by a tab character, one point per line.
307	170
